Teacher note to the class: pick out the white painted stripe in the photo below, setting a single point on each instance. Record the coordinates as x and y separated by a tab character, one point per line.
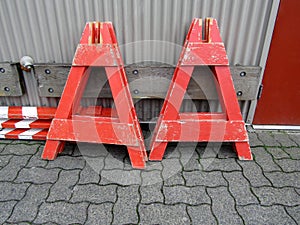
24	123
4	112
5	131
2	121
29	112
275	127
29	133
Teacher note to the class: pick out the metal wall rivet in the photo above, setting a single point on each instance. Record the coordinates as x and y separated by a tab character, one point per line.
47	71
135	72
242	74
136	91
50	90
7	89
2	70
239	93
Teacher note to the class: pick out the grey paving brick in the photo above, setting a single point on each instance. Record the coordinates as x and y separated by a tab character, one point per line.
192	164
27	208
278	153
295	137
283	196
63	188
6	209
37	175
111	162
4	160
253	140
254	174
226	151
239	187
170	167
91	150
288	165
94	193
121	177
209	151
294	212
68	149
284	139
163	214
176	179
256	214
226	165
67	162
223	206
7	141
10	191
129	197
172	152
36	160
294	153
153	165
151	177
89	175
99	214
208	179
188	195
62	213
280	179
152	193
267	138
11	170
20	149
265	160
201	214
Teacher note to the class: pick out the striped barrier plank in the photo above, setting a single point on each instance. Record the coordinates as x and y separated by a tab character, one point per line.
29	123
23	134
26	112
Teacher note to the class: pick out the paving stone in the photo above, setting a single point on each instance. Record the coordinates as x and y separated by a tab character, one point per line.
294	212
201	214
152	194
295	137
6	209
176	179
20	149
151	177
256	214
36	160
7	141
288	165
280	179
63	188
297	190
210	151
265	160
99	214
62	213
294	153
154	165
94	193
90	150
283	196
68	149
67	162
267	138
111	163
38	175
278	153
10	191
187	195
254	174
227	151
226	165
223	206
163	214
239	187
192	164
121	177
128	197
11	170
208	179
170	167
27	208
172	152
89	175
4	160
253	140
284	140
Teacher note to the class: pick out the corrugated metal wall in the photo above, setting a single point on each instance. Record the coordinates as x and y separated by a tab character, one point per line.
49	30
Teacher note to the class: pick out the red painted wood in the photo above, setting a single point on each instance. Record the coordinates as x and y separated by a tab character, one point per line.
279	103
17	112
12	123
21	134
227	126
98	47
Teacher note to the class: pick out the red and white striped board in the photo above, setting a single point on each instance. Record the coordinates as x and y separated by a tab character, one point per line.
26	112
23	134
29	123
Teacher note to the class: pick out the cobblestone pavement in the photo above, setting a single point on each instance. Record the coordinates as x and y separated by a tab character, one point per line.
91	185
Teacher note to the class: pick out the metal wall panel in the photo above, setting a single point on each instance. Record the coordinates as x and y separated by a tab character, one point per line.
49	30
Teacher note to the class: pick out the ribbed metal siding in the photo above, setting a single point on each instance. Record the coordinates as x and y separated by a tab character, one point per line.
49	30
